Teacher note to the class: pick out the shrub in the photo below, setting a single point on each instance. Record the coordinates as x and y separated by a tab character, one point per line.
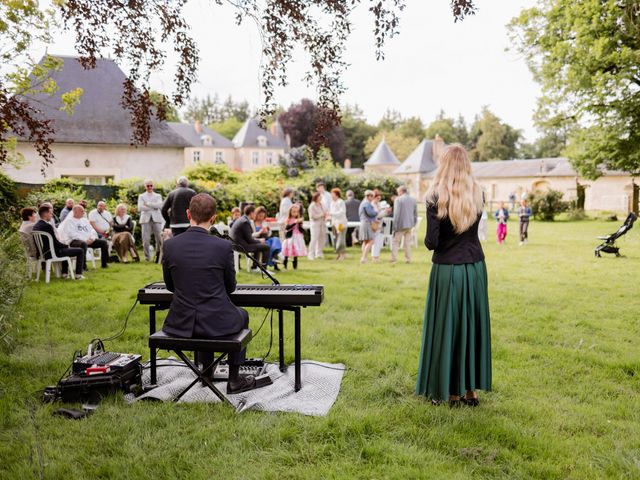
8	202
12	281
545	205
56	191
576	214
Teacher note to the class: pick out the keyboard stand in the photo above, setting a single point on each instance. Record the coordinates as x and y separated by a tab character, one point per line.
280	309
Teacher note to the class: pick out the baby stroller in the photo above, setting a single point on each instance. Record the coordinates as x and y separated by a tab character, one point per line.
609	243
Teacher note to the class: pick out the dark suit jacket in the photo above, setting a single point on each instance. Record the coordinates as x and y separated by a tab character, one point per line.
42	226
353	207
242	233
198	268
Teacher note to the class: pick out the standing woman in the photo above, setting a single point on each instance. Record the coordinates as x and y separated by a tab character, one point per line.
455	358
318	226
368	224
338	212
283	213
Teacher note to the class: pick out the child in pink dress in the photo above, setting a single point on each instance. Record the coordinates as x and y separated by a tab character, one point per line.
293	245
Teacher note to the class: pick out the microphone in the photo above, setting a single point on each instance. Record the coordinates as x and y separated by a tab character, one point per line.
225	236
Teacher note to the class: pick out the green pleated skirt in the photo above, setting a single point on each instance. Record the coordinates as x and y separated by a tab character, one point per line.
456	338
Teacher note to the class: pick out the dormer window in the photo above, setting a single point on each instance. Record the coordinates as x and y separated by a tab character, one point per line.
262	141
207	141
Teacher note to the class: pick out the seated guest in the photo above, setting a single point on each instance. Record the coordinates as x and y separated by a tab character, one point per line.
235	215
29	219
123	241
53	221
242	233
198	268
263	231
68	206
101	220
78	232
60	249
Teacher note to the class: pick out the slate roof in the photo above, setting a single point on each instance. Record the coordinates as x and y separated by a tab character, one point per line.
190	134
382	155
420	160
248	135
99	118
536	167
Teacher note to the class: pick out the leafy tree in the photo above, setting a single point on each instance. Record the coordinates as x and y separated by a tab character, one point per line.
204	110
492	139
227	128
304	123
239	110
356	133
411	127
390	121
585	56
400	145
137	33
161	101
448	129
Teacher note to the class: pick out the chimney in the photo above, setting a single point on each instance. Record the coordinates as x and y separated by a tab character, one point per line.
347	163
197	126
438	148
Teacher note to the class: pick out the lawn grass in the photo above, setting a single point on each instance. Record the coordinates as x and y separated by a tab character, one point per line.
566	369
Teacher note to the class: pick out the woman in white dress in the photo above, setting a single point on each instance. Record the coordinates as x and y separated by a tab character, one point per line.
338	212
318	228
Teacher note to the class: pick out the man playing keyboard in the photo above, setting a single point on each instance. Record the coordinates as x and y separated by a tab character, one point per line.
198	268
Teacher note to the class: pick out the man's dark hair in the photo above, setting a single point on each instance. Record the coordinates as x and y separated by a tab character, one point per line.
320	184
249	209
25	213
43	209
202	207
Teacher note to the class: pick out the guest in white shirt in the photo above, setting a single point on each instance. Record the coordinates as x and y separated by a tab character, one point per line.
338	212
151	221
101	220
76	231
324	195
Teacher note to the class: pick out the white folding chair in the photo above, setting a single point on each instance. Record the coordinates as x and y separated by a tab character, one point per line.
93	254
236	261
414	233
38	238
386	231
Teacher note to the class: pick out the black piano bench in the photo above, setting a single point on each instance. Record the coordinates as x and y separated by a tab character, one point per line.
222	345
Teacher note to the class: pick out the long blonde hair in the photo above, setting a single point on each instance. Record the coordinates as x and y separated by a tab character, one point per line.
455	190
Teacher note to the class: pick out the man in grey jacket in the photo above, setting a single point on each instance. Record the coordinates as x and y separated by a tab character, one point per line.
405	217
151	221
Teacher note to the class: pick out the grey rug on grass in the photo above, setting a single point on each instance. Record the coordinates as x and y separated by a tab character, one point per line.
320	388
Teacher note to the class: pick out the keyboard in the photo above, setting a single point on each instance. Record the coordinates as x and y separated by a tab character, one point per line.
268	296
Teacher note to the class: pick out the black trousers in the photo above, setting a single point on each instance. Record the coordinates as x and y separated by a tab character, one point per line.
100	243
235	358
76	253
350	236
261	250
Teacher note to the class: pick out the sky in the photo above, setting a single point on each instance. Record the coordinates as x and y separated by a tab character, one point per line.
432	64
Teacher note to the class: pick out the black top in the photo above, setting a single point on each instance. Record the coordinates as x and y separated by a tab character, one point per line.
175	206
42	226
198	268
122	227
242	232
450	247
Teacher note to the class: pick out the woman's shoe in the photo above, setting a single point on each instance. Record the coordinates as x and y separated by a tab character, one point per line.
436	403
455	402
471	401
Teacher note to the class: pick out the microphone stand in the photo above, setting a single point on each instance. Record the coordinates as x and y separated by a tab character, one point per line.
214	231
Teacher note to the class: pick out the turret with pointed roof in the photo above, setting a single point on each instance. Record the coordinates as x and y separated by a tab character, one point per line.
382	160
